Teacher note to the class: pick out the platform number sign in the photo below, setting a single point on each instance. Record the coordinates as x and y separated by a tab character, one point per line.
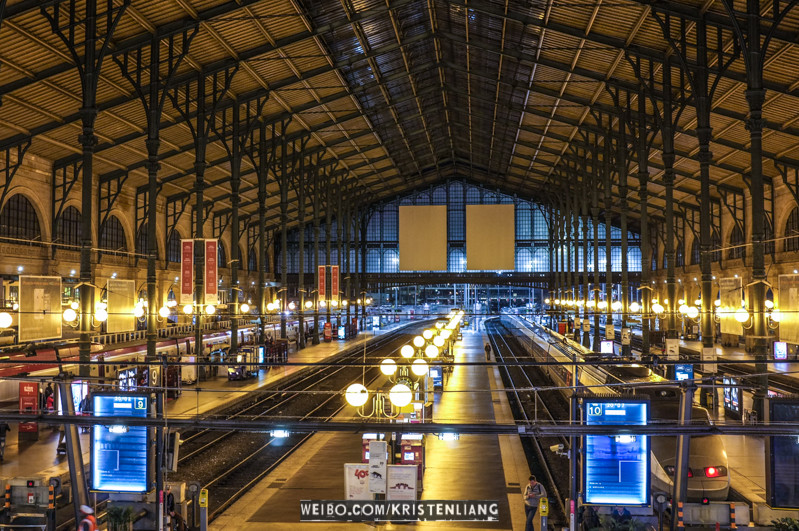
616	467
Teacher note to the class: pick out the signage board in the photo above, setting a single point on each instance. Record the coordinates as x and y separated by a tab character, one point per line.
120	454
28	405
626	336
610	331
356	481
39	308
709	360
730	294
321	282
673	349
586	326
334	282
782	457
401	482
788	303
378	456
186	271
211	272
732	395
327	332
683	371
780	350
606	346
121	301
616	467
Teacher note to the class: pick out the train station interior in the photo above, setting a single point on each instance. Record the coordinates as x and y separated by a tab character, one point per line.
399	264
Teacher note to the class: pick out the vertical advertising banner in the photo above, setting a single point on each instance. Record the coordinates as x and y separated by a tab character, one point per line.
28	404
788	305
334	291
401	483
321	282
356	481
211	272
378	455
121	300
39	308
186	271
730	291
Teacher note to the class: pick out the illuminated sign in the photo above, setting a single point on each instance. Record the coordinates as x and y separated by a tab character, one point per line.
120	454
732	395
683	371
606	346
780	350
616	467
782	458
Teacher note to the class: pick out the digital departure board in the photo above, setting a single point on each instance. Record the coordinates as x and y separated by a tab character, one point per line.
120	454
616	468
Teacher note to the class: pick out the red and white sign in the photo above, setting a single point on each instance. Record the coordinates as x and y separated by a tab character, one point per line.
321	282
334	282
186	271
211	276
28	404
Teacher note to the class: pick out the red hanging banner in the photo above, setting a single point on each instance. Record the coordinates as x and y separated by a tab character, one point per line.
334	282
321	282
186	271
211	276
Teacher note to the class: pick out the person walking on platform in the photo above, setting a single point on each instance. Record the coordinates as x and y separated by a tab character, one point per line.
4	427
533	492
488	352
88	523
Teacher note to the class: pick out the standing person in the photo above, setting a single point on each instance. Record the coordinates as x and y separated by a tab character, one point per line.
533	492
621	515
488	352
169	501
88	523
4	427
47	394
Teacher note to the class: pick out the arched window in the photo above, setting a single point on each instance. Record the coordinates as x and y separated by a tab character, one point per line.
457	261
252	260
679	258
736	242
695	252
68	228
715	243
221	257
768	237
390	261
173	247
18	220
242	256
112	235
792	231
373	261
540	260
524	259
142	242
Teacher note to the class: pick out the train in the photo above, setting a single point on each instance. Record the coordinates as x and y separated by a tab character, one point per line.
122	367
708	475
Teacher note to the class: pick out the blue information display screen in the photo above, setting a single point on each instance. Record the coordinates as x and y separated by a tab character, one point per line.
684	371
120	453
616	467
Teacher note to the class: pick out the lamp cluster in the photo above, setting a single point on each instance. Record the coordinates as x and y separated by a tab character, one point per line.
427	345
616	305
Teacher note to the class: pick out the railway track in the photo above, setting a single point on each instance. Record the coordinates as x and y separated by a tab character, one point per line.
229	463
528	408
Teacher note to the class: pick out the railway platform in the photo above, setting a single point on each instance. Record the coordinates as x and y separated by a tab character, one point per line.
475	467
39	458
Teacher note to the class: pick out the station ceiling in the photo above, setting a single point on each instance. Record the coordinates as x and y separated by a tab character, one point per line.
402	94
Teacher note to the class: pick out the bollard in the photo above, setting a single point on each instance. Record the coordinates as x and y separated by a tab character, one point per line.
204	510
733	525
680	523
543	511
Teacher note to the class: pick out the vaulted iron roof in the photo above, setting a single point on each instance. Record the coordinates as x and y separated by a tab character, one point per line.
409	92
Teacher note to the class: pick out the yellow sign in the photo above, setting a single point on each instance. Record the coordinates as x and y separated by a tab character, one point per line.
204	498
543	506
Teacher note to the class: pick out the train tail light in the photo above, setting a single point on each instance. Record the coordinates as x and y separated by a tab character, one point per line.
715	471
670	471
